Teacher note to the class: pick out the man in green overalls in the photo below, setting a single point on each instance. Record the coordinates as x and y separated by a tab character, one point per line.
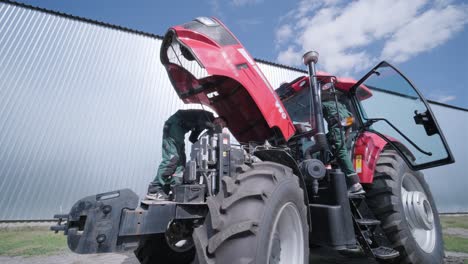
339	119
172	165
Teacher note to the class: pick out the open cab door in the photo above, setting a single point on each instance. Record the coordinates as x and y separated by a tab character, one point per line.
396	111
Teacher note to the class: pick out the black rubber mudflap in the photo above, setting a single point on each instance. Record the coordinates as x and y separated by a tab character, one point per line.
385	253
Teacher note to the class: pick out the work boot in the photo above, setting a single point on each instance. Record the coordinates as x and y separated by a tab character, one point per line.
356	189
156	192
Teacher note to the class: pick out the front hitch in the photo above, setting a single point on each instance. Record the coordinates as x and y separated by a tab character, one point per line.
94	221
115	221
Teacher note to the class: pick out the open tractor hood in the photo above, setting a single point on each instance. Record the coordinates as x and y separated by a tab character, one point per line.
208	65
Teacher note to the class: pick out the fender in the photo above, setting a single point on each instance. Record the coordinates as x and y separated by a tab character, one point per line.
367	150
282	157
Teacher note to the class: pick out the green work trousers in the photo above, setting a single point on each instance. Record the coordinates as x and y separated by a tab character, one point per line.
341	153
172	165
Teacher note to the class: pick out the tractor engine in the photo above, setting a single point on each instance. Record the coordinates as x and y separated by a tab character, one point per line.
212	157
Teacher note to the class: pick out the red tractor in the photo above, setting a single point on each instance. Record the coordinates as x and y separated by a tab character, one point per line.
279	190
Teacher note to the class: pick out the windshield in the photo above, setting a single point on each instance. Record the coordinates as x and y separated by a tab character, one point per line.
298	107
397	112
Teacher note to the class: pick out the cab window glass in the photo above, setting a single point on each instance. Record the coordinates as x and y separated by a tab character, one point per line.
396	111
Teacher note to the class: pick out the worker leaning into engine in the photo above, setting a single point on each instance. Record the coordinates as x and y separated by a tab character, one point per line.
339	120
172	165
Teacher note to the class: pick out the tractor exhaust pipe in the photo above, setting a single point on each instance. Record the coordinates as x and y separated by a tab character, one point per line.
310	59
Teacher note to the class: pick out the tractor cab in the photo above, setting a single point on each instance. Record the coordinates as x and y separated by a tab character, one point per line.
295	95
384	103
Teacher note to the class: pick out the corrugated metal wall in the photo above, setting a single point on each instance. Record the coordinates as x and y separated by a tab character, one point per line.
81	110
81	107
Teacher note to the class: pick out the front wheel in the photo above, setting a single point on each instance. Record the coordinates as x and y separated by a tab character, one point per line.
400	198
257	217
155	249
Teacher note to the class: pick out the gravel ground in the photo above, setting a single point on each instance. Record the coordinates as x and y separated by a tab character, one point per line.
12	225
460	232
317	256
129	258
71	258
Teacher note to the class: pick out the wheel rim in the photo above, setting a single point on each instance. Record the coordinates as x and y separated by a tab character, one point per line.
178	237
418	213
286	243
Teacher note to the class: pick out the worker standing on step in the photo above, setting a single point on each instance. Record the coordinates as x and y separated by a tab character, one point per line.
339	120
172	165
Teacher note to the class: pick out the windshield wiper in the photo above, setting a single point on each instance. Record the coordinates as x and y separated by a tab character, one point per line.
371	121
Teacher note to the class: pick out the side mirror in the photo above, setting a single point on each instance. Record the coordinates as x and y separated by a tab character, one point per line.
427	121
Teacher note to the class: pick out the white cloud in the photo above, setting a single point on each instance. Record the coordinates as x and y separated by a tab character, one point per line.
307	6
216	8
247	24
290	56
446	99
442	98
283	33
443	3
427	31
245	2
348	35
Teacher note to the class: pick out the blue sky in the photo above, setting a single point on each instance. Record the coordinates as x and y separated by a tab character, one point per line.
426	39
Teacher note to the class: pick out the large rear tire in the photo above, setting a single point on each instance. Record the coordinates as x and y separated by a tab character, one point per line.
400	198
259	216
155	250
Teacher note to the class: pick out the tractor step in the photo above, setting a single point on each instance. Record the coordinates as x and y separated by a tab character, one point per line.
356	196
157	202
385	253
368	222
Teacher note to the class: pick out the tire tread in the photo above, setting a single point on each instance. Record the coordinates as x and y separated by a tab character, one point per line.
221	227
383	199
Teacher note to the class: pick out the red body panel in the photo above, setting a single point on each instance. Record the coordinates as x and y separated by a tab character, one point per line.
343	84
366	153
246	100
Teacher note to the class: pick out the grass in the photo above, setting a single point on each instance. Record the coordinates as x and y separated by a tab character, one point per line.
30	242
453	242
456	244
448	221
